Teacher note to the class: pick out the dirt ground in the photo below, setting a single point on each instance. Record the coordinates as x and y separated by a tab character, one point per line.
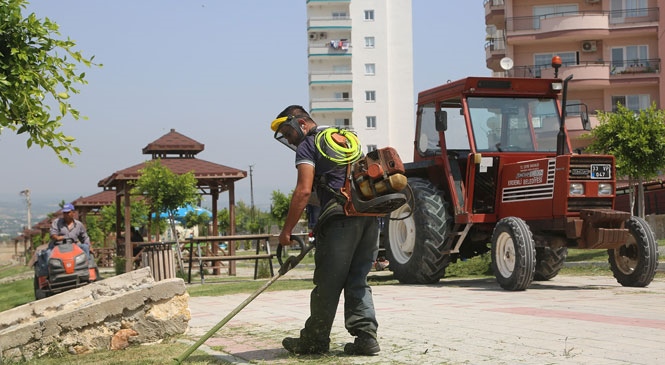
7	253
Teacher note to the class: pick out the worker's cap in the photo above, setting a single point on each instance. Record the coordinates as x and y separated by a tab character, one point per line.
67	208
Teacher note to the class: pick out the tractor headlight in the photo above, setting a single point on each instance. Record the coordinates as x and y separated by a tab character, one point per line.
55	263
576	189
604	189
557	86
79	259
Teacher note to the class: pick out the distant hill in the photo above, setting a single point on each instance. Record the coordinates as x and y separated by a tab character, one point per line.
14	213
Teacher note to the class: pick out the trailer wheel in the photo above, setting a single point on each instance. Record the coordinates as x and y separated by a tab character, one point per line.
549	262
415	234
635	263
513	254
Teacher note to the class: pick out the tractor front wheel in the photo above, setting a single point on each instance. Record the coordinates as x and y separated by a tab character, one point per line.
513	254
634	263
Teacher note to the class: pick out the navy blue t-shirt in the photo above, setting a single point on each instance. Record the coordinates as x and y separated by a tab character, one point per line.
334	173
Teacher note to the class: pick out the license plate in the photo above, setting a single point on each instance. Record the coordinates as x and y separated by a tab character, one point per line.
601	171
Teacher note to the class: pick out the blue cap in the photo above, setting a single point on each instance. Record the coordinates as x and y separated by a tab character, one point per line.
67	208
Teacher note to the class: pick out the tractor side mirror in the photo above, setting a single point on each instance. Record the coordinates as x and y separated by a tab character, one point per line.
586	123
441	120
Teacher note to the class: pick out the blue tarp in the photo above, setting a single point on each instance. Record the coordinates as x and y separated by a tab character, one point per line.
181	212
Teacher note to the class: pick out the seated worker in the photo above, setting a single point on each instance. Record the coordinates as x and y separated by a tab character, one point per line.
68	227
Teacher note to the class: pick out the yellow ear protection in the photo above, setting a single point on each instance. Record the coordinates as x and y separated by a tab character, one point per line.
278	126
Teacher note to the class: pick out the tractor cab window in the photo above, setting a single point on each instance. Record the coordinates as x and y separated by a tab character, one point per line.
514	124
428	136
456	135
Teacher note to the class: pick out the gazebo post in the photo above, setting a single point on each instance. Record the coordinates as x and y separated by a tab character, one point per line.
129	252
232	225
214	194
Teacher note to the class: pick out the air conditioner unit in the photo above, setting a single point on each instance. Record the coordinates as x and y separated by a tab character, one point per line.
313	36
593	1
323	35
589	46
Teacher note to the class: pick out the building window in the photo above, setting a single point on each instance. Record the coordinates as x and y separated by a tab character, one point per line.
371	122
370	95
544	60
629	56
628	9
339	15
543	12
632	102
369	14
370	69
369	42
342	96
342	122
371	147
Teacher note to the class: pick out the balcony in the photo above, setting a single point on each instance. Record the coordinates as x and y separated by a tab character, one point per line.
334	47
603	71
329	23
495	50
581	20
322	77
330	104
494	12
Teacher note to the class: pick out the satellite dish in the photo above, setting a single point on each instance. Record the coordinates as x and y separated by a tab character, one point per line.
506	63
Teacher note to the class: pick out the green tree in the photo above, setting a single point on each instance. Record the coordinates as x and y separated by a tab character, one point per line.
165	191
34	76
106	218
223	220
637	141
280	206
193	219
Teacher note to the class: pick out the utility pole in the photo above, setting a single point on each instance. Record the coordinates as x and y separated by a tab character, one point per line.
26	193
251	191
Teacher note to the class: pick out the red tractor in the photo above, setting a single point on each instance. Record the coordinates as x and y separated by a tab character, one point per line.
493	170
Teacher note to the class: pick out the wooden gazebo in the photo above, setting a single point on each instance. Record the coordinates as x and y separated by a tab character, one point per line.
93	203
178	153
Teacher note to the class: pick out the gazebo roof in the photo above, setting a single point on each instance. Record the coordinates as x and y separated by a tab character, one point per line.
173	143
177	153
206	173
98	200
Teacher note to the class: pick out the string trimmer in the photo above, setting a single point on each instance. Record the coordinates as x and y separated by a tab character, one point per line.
290	263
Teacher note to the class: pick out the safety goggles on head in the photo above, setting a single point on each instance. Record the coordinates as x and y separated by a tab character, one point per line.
288	131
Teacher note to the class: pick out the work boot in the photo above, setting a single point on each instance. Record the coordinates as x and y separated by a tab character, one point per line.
365	345
302	347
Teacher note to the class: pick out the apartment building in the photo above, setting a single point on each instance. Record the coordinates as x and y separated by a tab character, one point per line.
611	47
360	70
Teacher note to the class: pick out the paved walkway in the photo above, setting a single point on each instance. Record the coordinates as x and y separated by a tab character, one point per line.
567	320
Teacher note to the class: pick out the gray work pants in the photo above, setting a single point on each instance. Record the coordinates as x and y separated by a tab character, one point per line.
346	248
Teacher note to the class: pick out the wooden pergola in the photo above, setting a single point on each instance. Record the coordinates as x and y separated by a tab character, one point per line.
178	153
93	203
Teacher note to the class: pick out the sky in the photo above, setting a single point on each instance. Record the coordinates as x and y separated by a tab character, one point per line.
215	71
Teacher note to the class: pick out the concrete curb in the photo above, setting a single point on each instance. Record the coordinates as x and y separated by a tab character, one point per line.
605	264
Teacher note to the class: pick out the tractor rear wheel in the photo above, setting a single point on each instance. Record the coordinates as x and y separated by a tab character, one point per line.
634	263
549	262
513	254
415	235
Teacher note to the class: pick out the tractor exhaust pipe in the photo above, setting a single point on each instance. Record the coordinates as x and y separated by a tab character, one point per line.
561	136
